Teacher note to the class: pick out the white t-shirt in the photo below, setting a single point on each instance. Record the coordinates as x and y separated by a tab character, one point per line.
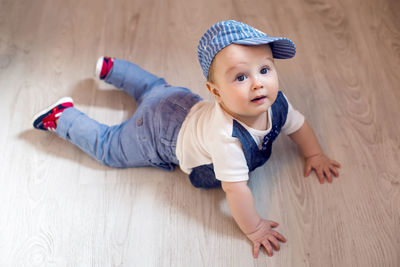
206	137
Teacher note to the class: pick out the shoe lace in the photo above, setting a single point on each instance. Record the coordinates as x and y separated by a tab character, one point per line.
49	122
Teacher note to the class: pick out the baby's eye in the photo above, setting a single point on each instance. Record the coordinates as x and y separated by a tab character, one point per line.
240	78
264	70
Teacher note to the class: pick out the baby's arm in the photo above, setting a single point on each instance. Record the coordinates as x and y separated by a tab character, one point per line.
259	231
315	158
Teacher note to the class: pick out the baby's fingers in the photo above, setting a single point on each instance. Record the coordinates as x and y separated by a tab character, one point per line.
307	170
273	224
327	174
279	236
272	239
336	164
268	247
256	249
334	171
320	175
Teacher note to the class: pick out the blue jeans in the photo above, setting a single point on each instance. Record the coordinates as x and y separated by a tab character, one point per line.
149	137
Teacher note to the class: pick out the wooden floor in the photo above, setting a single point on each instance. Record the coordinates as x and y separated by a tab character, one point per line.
58	207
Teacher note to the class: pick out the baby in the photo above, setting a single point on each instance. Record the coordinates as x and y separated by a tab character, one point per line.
217	143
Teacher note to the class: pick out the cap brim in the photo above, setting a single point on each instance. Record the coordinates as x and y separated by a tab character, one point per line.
281	47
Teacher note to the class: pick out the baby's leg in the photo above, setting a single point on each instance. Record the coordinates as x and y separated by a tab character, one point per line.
132	79
115	146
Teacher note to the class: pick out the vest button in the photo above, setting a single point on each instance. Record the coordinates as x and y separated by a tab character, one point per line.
139	122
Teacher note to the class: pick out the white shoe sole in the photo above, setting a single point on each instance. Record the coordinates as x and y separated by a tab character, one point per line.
99	66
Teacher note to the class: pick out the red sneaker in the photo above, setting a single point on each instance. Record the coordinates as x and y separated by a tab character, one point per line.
46	119
103	67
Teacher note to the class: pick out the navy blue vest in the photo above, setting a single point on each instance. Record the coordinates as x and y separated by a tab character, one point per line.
204	177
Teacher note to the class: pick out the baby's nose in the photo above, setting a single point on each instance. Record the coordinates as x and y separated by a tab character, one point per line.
257	84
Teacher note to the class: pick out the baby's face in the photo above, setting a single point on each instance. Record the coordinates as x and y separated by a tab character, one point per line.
245	82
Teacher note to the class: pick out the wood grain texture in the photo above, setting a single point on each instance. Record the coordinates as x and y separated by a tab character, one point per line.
60	208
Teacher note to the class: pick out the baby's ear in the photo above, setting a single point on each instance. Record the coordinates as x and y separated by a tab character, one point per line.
214	91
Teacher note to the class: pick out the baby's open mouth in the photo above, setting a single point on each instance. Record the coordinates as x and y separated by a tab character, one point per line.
258	98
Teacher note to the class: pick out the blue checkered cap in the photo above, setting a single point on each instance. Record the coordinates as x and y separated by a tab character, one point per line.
229	32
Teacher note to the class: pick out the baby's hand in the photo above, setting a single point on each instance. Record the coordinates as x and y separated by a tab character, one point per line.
323	166
264	235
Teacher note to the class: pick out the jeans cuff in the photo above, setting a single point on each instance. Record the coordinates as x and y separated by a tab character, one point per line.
65	121
117	73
